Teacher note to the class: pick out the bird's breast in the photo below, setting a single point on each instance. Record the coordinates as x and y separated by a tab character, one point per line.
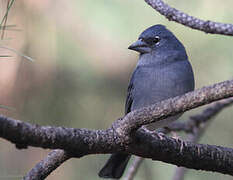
156	83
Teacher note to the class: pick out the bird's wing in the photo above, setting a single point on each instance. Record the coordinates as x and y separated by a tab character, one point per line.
129	98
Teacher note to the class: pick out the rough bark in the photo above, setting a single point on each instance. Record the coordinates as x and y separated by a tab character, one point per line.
173	14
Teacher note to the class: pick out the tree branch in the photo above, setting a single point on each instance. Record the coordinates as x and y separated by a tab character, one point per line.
196	134
195	121
188	154
91	141
80	142
54	159
133	168
195	125
173	14
135	119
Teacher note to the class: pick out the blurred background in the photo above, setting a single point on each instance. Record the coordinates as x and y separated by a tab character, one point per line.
81	70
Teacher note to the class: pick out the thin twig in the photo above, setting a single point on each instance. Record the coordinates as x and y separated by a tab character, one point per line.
133	168
195	121
201	122
173	14
54	159
18	53
179	173
4	19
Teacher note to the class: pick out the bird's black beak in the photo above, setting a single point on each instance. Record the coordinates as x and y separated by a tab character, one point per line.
140	46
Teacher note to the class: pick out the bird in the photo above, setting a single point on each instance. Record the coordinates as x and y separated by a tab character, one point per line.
163	71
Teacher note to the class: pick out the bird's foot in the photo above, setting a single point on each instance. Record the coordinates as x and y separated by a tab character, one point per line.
178	139
160	135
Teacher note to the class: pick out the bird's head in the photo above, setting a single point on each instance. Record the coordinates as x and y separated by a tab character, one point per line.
154	38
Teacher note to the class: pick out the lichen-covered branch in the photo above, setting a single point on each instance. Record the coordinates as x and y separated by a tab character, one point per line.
173	14
54	159
185	154
173	106
195	126
23	134
80	142
198	125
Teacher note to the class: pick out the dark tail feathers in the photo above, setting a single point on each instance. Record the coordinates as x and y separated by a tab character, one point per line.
115	166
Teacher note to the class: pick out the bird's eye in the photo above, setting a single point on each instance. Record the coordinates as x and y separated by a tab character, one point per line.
155	39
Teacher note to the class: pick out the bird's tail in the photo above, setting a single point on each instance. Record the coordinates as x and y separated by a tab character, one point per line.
115	166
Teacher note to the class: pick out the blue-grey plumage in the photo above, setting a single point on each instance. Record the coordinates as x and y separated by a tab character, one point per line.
162	72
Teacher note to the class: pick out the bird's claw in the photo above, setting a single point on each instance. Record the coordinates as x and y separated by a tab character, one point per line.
178	139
